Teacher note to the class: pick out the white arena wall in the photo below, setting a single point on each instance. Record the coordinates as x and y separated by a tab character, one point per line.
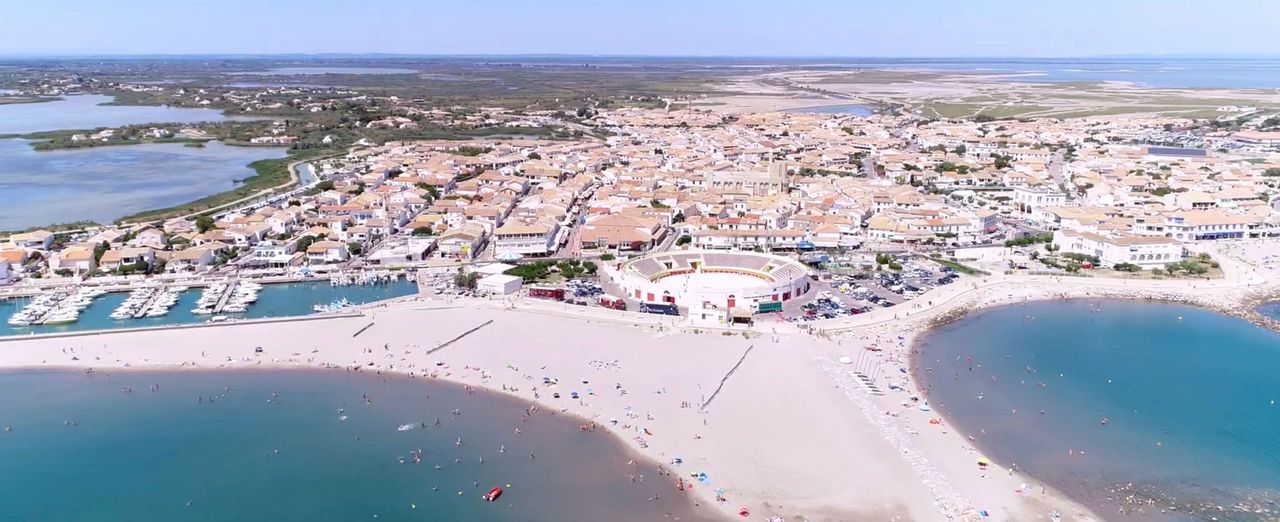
719	278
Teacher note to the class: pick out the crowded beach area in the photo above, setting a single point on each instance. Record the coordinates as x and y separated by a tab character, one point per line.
820	420
776	423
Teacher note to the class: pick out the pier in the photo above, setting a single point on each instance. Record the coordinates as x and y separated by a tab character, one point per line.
226	295
146	305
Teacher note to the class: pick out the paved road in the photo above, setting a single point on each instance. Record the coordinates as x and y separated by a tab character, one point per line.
1055	170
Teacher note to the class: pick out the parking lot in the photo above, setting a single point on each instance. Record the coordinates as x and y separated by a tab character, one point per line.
860	292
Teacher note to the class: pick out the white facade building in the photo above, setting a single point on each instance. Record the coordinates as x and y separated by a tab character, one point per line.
1145	251
538	239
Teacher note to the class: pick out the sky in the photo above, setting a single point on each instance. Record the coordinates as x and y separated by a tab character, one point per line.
807	28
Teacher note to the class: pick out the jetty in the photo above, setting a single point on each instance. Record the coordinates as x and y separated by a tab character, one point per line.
226	296
146	305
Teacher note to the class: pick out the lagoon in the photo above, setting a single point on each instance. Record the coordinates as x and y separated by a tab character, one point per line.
106	183
1161	402
847	108
302	445
86	111
316	71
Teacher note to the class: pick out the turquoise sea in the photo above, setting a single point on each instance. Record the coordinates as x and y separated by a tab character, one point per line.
1122	405
303	446
275	300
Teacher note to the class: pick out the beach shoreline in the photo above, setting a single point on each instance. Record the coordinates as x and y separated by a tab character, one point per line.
927	355
924	471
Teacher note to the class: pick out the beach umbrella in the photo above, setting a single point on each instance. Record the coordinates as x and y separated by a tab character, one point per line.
844	359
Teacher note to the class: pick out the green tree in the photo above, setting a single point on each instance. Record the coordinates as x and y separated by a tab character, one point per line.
1271	172
464	279
432	192
99	249
961	149
204	223
304	242
355	248
683	240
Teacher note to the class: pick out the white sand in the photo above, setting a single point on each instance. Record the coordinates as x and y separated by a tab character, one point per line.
792	433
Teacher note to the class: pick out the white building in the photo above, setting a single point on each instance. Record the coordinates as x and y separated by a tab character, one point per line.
1031	198
747	239
538	239
499	284
322	252
1194	225
274	254
772	181
1145	251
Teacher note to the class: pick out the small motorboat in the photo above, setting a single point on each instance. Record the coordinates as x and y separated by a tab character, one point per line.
493	494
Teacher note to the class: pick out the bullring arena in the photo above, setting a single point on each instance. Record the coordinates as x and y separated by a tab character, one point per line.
717	278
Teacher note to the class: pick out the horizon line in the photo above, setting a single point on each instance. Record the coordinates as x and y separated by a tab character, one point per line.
388	55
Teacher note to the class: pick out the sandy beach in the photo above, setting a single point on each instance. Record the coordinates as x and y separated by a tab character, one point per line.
772	416
791	432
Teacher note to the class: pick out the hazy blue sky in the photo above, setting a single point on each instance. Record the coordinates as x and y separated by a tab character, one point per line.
663	27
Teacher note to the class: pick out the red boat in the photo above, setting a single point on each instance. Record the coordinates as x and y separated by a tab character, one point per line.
493	494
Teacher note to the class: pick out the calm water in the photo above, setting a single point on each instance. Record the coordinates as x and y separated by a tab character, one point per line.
1270	309
105	183
86	112
1155	72
855	109
167	456
276	300
316	71
1189	398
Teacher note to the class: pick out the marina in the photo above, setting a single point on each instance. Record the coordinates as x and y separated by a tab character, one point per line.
67	310
54	308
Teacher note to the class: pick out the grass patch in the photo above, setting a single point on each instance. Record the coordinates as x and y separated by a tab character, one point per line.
970	110
950	110
958	267
1010	111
